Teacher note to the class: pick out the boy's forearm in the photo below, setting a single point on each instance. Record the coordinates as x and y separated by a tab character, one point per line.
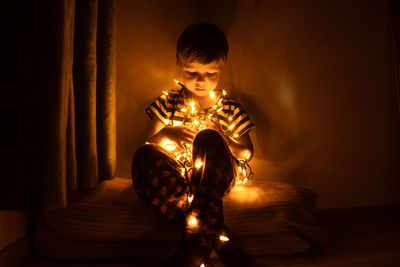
241	150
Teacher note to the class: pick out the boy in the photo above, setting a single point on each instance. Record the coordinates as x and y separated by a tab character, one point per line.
200	127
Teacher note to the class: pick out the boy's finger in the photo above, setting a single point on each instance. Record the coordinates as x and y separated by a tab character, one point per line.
191	131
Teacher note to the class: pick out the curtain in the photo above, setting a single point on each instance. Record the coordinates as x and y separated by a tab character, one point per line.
62	134
394	8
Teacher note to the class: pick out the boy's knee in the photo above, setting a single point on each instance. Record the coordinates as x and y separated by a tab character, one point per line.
207	135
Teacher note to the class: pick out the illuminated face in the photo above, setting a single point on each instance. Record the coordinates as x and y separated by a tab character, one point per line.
200	78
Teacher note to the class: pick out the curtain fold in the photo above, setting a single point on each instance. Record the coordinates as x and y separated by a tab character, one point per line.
62	106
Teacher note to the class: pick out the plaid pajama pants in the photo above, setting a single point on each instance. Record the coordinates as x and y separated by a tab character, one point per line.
158	181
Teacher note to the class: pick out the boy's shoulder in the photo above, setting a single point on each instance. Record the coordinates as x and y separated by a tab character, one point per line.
231	101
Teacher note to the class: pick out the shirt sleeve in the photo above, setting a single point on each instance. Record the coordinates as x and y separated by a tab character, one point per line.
240	123
159	109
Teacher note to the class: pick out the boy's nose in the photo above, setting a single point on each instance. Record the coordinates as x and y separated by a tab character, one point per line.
200	78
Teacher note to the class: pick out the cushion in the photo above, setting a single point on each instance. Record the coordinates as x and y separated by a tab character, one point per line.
111	222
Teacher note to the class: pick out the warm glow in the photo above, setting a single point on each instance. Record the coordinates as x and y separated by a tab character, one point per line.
197	121
192	221
170	147
223	238
198	164
190	198
202	265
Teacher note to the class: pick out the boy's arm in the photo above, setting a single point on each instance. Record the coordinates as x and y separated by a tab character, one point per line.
241	148
154	127
157	132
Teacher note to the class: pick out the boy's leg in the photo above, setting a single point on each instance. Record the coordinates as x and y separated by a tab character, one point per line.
208	184
158	182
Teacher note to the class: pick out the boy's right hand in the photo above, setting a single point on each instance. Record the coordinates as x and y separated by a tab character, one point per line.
177	134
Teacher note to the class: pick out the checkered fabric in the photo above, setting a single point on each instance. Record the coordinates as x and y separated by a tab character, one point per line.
158	181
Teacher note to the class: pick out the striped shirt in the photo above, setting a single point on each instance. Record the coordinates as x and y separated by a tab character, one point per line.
170	109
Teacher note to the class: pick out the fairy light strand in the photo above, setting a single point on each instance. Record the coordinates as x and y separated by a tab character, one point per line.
199	116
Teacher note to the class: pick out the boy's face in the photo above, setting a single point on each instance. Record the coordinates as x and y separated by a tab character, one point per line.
200	78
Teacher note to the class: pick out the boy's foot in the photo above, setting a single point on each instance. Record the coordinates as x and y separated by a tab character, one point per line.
190	254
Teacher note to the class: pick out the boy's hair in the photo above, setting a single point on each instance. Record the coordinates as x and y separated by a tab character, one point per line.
203	42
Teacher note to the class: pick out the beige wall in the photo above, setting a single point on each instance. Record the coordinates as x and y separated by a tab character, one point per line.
316	77
13	226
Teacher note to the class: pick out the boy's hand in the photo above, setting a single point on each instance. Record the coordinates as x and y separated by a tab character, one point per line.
177	134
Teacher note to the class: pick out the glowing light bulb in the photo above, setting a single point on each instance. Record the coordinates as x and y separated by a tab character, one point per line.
192	221
202	265
198	164
231	127
183	170
223	238
212	94
176	81
239	182
166	121
245	180
170	147
183	110
190	198
223	92
230	118
165	93
219	101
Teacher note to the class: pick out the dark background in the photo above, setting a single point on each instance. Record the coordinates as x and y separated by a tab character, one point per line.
317	77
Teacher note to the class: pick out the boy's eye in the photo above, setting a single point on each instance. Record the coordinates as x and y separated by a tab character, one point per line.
211	74
191	73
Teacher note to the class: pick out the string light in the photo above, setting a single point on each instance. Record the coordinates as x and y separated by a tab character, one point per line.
192	221
198	164
223	238
190	198
198	118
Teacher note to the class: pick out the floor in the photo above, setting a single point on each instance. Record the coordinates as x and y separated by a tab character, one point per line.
357	237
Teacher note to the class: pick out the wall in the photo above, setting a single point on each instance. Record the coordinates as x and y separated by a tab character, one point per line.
13	226
317	78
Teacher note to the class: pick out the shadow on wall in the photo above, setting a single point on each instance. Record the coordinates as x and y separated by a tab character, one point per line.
279	153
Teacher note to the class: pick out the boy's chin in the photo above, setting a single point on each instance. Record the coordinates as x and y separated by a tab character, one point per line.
200	93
